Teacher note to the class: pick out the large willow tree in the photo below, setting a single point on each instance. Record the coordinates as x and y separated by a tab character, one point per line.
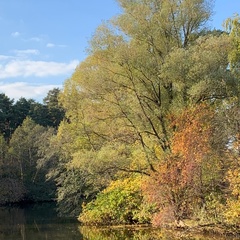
144	68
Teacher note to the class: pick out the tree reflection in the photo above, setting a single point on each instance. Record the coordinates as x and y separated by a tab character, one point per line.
36	221
144	233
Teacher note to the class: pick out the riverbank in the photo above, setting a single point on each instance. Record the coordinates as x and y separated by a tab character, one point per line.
194	227
186	230
218	229
147	232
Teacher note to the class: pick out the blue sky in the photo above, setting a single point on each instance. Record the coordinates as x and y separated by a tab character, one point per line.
42	41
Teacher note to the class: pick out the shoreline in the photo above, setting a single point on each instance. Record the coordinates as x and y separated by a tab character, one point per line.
186	230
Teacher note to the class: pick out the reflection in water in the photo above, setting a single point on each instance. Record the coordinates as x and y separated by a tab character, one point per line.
91	233
40	222
35	222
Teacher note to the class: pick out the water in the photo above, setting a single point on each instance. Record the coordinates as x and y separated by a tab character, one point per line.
36	222
40	222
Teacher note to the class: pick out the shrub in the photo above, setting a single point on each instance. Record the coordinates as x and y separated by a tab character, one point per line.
120	203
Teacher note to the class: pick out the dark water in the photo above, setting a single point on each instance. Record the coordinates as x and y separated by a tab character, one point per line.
35	222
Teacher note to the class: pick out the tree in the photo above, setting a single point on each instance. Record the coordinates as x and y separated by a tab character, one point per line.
232	26
182	185
50	113
24	146
3	152
145	69
130	84
21	109
55	111
39	114
6	115
11	190
174	21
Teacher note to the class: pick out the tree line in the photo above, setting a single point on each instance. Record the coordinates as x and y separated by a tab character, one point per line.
150	132
13	113
25	129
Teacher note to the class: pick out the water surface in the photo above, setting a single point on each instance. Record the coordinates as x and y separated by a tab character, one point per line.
35	222
40	222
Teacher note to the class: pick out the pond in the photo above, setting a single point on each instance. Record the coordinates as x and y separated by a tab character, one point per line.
40	221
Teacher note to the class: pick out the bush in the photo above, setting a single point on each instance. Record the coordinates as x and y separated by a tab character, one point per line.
120	203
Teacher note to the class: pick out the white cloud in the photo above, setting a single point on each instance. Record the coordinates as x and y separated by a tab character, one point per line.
26	52
51	45
15	34
27	68
5	57
35	39
22	89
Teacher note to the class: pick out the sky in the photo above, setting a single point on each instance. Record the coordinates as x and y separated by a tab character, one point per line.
42	41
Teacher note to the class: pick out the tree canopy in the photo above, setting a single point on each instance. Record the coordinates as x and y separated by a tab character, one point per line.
152	98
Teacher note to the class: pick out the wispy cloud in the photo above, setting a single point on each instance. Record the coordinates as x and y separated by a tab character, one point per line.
18	68
23	89
36	39
26	52
31	39
52	45
5	57
15	34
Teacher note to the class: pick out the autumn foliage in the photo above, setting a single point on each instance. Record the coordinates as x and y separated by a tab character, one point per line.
177	184
233	177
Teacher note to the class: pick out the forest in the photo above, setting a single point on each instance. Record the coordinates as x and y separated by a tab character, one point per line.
145	131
